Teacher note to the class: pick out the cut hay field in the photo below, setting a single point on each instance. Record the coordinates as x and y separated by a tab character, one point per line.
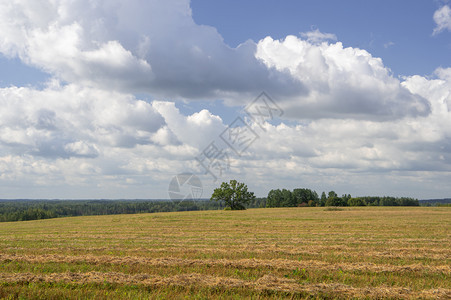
369	252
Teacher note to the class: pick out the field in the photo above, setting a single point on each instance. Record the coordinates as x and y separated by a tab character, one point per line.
370	252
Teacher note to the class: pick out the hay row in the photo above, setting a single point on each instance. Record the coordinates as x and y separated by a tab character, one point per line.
265	283
281	264
391	253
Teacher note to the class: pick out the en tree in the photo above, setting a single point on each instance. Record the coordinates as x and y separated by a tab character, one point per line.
323	200
274	198
234	194
306	196
334	200
287	198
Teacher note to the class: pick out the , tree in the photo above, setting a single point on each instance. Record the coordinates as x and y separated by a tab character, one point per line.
234	194
287	198
334	200
305	196
274	198
332	194
323	200
356	202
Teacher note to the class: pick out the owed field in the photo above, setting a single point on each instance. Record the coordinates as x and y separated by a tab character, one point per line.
369	252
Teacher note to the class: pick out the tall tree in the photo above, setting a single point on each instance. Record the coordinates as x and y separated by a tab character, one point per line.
323	200
234	194
274	198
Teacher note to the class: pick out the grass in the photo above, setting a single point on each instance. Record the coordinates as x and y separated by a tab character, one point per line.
314	253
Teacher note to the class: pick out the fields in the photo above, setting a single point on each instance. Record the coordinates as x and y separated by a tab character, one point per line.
379	252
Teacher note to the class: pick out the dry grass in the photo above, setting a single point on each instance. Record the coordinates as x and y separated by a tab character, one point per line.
261	253
277	264
265	283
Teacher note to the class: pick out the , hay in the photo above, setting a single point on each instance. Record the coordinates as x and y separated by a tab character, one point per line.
266	283
282	264
368	252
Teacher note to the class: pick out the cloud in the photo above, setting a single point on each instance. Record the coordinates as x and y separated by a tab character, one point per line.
85	134
376	157
316	36
442	19
388	45
68	136
342	82
134	46
66	121
108	142
155	47
196	130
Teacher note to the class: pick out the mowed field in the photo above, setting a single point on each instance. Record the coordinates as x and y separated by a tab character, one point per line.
369	252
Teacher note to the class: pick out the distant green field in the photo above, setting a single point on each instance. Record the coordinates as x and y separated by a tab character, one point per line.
368	252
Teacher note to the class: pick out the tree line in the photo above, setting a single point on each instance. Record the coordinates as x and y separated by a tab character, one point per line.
27	210
306	197
228	196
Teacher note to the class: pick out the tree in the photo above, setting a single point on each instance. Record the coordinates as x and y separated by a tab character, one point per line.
234	194
404	201
332	194
387	201
334	200
356	202
346	197
323	200
287	199
306	196
274	198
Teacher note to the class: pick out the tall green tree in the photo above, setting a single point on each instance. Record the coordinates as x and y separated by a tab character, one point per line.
334	200
323	200
287	198
356	202
234	194
274	198
306	196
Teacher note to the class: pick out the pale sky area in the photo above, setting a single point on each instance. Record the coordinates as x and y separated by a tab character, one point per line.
112	99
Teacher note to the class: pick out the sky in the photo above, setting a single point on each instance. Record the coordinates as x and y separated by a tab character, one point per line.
114	99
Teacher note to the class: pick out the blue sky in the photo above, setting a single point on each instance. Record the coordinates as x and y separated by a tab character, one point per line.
113	99
397	31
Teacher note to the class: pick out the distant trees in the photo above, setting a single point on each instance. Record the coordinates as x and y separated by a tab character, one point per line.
334	200
323	199
297	197
307	197
356	202
274	198
24	210
27	210
234	194
383	201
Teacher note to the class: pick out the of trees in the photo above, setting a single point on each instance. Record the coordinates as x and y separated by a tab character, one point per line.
25	210
388	201
305	197
406	201
287	198
322	201
274	198
334	200
234	194
356	202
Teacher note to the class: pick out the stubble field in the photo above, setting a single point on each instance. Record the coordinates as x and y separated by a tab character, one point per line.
378	252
